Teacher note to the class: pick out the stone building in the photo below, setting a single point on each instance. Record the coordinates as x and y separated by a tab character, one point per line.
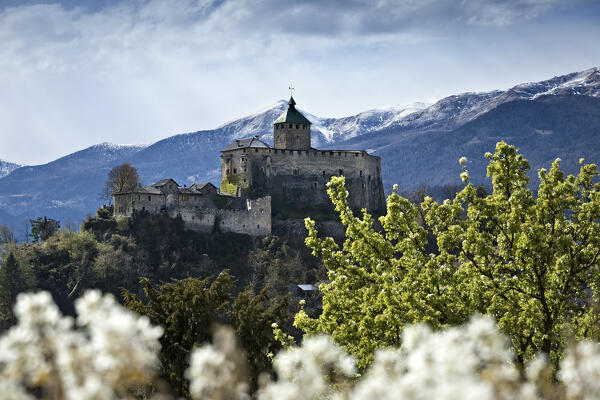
259	182
295	174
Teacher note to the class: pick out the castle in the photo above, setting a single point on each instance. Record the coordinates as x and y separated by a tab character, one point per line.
260	182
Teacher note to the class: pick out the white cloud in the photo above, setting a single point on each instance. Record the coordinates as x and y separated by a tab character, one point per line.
140	71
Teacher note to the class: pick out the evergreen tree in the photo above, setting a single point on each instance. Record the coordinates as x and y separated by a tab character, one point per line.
187	309
12	282
43	228
252	316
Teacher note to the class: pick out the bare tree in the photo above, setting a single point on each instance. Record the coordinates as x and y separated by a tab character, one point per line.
6	235
121	178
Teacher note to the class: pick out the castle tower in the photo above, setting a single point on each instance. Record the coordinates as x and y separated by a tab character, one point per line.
291	130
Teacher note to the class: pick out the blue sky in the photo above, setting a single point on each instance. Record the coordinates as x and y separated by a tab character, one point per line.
77	73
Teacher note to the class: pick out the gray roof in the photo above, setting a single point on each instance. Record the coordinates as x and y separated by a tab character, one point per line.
142	190
292	115
245	143
201	185
163	182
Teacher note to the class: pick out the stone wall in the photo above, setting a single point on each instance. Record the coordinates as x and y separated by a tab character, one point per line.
291	136
204	213
125	204
297	178
253	217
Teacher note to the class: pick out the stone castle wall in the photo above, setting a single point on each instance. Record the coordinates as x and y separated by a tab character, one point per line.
203	213
297	178
252	218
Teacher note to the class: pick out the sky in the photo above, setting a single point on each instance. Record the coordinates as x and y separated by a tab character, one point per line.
77	73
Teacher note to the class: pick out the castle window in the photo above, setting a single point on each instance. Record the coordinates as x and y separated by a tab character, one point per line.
297	126
139	197
323	173
315	184
258	226
362	154
235	170
360	173
256	150
363	185
295	171
331	152
303	126
143	208
290	125
244	181
227	171
340	172
244	169
345	154
369	178
149	198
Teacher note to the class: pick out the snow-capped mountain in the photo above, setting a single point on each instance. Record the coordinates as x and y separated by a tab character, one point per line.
419	144
6	167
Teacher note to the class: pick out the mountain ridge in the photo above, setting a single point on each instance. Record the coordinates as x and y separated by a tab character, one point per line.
410	139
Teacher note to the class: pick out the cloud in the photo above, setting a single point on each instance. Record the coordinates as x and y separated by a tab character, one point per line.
77	73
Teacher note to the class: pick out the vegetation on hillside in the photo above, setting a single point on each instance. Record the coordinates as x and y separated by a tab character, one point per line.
481	296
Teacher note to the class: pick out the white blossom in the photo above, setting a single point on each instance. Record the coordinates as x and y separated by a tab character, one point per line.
110	350
462	161
580	370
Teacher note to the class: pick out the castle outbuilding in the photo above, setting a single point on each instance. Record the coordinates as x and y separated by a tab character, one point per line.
260	182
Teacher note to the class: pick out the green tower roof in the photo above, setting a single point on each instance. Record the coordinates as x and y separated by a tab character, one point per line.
292	115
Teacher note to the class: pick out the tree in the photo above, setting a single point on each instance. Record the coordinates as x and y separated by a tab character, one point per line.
252	316
121	178
187	309
12	282
43	228
529	261
6	235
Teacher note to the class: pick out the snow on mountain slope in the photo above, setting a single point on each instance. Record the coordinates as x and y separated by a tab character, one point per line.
6	167
409	138
453	111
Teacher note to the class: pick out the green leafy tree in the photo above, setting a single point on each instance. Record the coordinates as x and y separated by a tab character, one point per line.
187	309
530	261
43	228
